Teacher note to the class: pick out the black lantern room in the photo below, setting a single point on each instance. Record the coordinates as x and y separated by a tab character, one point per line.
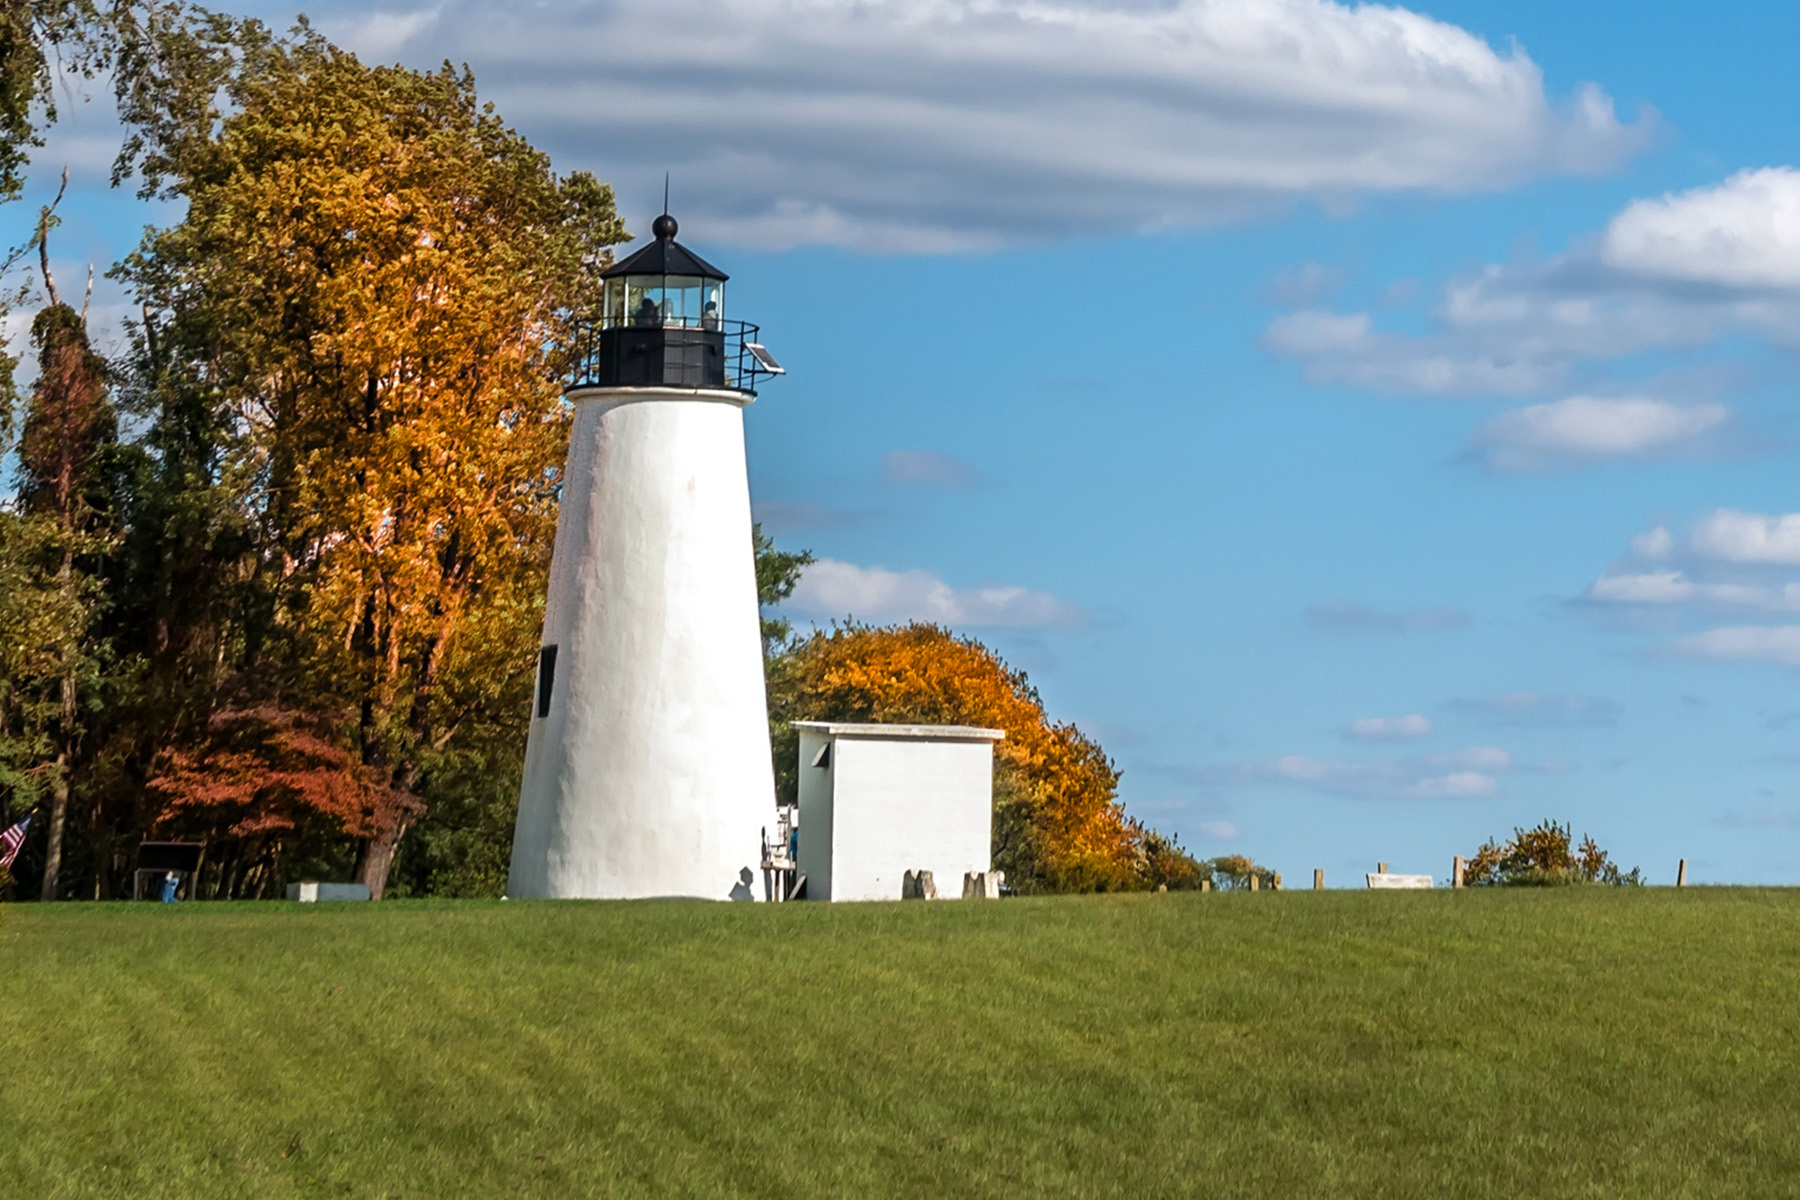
662	324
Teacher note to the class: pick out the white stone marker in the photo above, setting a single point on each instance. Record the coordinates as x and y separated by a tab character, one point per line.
985	885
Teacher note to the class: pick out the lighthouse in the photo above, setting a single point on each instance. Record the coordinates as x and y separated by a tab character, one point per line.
647	769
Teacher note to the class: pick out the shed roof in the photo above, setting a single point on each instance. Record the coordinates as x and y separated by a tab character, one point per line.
941	733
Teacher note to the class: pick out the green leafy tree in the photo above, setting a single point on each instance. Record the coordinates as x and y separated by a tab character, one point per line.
69	421
159	57
32	618
777	575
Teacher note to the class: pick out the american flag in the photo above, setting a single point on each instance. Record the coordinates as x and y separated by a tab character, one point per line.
11	841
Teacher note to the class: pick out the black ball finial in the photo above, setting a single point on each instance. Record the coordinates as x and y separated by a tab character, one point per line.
664	227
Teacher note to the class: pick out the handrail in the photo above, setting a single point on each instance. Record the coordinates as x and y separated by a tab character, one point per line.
742	370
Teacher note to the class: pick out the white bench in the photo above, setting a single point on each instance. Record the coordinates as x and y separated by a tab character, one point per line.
1385	880
311	892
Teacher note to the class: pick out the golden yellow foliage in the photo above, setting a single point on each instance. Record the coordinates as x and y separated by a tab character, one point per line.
378	281
1058	823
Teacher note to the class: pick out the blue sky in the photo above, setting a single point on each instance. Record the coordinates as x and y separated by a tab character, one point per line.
1377	426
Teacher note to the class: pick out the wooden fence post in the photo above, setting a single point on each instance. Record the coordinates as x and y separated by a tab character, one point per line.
1206	885
1681	874
1275	881
1456	871
1318	879
1255	881
1381	868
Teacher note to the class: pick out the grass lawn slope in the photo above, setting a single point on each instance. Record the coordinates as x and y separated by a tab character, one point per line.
1573	1042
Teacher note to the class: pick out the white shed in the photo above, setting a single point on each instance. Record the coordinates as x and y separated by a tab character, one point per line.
877	801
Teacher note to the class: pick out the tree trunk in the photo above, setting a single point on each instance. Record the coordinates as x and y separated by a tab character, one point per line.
65	736
375	858
59	816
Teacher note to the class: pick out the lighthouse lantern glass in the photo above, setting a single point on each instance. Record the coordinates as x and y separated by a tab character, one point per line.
678	301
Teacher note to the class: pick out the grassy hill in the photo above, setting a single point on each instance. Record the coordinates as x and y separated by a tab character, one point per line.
1544	1044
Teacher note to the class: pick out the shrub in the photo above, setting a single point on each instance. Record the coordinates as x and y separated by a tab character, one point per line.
1166	863
1545	856
1232	872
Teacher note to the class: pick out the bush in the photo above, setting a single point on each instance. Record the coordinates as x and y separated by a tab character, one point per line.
1166	863
1545	856
1233	872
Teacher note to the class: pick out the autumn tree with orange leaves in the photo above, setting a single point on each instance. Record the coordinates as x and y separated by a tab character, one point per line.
371	298
267	783
1058	824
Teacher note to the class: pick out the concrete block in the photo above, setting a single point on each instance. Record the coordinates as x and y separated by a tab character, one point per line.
982	885
918	885
1384	880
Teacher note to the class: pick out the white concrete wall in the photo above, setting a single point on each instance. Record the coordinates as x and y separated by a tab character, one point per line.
896	805
650	776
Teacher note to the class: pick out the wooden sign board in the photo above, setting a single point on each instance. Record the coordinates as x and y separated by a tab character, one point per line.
1399	881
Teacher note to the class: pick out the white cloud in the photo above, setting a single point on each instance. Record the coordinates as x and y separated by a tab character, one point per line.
831	588
1653	544
1383	729
1746	643
927	468
1646	587
1223	831
1458	783
1741	537
1587	428
1676	273
1304	286
1675	587
1727	560
1540	708
1345	348
1311	331
1742	233
1465	773
930	125
1516	330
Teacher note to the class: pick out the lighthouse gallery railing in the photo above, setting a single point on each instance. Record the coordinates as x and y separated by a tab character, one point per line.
679	354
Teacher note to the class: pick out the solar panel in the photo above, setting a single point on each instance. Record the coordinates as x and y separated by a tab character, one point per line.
767	360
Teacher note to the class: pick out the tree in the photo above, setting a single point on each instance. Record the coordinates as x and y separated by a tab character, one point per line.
1233	872
1166	863
268	782
777	575
1057	822
374	290
68	420
1545	856
160	56
32	620
32	33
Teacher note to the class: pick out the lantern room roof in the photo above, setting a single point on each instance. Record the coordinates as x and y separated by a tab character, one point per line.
665	256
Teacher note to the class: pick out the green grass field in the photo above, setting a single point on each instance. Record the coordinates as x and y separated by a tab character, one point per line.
1577	1042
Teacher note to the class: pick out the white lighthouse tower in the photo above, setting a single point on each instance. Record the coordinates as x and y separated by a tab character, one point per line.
647	771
